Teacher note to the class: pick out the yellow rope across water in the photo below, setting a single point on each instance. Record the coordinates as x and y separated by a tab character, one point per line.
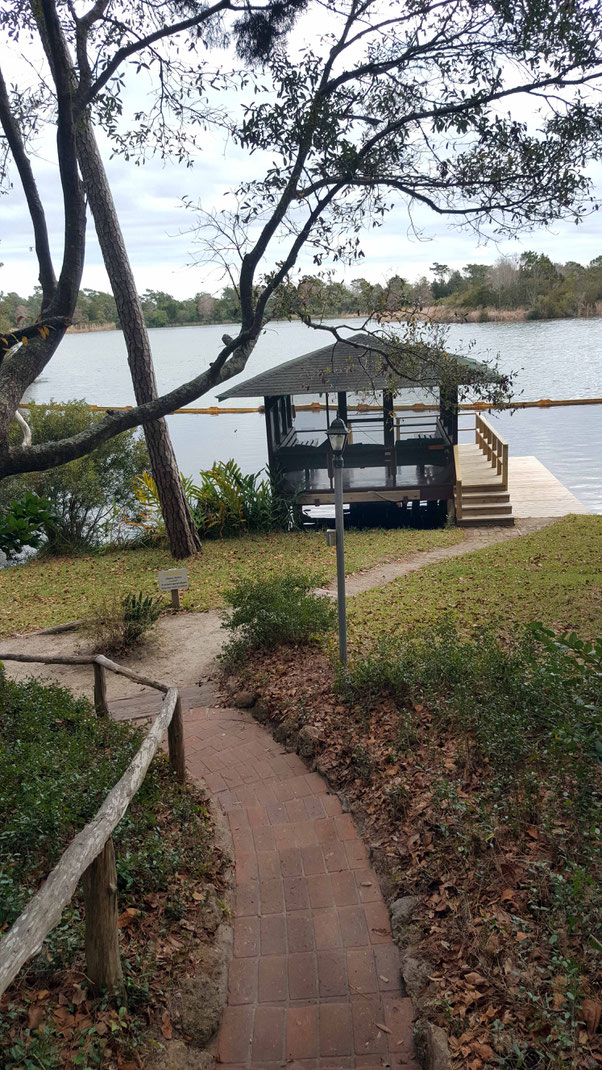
316	406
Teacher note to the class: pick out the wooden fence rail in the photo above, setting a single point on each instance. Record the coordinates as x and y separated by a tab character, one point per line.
90	856
494	447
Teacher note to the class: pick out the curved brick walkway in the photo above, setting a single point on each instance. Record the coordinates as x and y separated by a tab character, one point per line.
314	979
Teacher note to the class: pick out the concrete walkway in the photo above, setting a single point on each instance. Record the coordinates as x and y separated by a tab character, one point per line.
314	979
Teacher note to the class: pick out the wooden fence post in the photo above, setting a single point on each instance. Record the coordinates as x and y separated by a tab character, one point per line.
175	740
103	962
100	691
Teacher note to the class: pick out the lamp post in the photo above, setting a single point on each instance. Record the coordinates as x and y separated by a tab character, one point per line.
337	435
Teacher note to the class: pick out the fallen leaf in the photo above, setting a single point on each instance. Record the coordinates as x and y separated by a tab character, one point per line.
34	1017
127	917
166	1026
592	1011
484	1051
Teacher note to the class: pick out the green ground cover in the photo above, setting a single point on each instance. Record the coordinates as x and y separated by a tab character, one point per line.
58	761
554	575
49	591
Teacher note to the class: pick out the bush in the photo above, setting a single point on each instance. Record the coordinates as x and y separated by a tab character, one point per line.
90	497
532	709
275	610
58	760
23	523
224	503
119	624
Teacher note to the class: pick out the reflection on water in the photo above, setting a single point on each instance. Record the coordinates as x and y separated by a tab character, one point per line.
555	359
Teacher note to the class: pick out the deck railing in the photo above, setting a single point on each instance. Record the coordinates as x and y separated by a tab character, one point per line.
494	447
458	467
90	856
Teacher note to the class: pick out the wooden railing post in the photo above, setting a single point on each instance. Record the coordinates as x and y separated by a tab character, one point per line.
458	488
100	691
175	740
103	962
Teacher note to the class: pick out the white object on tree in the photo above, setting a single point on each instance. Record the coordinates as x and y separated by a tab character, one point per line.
25	428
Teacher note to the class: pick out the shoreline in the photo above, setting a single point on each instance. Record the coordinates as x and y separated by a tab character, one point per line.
431	314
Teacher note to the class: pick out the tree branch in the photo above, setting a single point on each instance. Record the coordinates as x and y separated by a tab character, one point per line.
144	42
36	211
51	33
230	361
42	328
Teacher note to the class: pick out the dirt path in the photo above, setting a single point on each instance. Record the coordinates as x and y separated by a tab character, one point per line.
474	539
183	648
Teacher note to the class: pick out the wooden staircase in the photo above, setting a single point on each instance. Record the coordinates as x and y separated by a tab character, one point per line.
481	491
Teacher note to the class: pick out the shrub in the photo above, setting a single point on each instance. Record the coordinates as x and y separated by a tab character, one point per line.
118	624
275	610
224	503
23	523
532	709
90	496
58	760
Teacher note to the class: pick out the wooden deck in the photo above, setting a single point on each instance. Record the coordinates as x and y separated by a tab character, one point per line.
534	491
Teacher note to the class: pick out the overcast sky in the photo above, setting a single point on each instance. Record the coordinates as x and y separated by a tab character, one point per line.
161	247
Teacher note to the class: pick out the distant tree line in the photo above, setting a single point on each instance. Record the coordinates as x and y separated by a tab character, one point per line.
530	282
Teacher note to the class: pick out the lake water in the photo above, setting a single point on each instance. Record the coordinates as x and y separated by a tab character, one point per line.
553	359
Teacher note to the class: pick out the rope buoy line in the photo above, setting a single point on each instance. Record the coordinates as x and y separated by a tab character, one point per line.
316	406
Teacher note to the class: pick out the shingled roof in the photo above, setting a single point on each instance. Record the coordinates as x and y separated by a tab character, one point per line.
354	365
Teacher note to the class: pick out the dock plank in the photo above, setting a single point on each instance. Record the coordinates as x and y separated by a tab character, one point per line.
535	492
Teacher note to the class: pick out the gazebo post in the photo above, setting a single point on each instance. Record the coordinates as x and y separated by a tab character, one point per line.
268	405
448	411
389	431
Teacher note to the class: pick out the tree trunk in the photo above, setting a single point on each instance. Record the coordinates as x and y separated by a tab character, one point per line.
180	528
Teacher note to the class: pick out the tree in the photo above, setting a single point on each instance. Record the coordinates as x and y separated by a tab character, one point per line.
411	105
78	84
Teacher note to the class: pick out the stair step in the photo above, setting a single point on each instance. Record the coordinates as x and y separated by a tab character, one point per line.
478	521
481	498
499	508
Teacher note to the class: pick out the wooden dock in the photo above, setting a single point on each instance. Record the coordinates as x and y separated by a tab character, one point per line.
534	491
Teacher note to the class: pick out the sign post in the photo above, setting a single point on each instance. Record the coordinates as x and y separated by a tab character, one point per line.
174	580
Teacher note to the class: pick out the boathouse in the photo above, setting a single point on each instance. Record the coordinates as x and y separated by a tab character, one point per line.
395	454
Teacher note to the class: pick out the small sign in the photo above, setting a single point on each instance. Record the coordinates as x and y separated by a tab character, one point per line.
173	579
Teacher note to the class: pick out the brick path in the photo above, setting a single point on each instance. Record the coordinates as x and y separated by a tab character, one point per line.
314	979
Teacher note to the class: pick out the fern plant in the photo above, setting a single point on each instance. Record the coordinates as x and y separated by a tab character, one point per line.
224	502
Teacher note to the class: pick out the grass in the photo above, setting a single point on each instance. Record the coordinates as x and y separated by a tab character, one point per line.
554	575
48	591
